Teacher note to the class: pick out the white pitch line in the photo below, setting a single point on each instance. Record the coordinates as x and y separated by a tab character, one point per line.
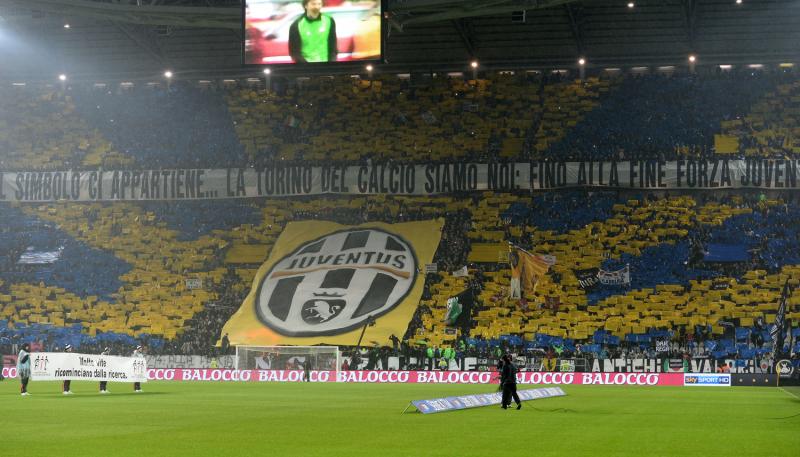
789	393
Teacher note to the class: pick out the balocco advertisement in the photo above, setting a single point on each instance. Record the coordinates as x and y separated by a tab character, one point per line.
397	377
430	377
414	377
9	372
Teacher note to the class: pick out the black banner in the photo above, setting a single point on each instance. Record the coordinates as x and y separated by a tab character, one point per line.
290	179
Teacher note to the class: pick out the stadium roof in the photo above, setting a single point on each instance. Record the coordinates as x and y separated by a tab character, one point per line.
136	39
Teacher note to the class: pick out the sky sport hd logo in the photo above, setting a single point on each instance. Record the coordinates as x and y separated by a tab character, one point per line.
335	283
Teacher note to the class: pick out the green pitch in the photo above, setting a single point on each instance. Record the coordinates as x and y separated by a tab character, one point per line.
271	419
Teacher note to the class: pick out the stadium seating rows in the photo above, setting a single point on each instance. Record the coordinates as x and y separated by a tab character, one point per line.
664	293
647	233
123	267
41	130
772	126
388	118
656	116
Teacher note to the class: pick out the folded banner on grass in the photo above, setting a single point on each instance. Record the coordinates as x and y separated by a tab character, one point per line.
439	405
53	366
323	282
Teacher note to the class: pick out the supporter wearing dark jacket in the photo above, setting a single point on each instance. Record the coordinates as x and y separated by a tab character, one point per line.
508	380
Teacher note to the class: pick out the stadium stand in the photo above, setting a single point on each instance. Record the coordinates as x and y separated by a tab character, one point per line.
771	128
160	127
659	116
648	235
406	120
565	105
117	272
40	129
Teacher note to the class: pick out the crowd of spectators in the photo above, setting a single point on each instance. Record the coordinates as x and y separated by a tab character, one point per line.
765	224
107	251
170	127
424	118
665	117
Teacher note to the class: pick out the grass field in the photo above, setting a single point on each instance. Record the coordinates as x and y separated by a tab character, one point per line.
288	419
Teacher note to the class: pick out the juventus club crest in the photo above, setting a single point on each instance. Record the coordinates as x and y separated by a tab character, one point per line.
335	283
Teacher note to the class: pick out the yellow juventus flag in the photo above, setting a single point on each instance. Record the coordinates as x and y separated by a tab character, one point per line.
324	281
526	268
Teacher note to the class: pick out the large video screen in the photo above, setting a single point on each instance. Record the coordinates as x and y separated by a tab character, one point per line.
311	31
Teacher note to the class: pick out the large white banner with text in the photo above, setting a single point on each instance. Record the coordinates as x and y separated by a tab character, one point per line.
53	366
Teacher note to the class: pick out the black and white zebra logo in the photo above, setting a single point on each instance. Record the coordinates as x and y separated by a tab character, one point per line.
335	283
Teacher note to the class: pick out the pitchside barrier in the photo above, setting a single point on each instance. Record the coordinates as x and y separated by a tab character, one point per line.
430	377
442	377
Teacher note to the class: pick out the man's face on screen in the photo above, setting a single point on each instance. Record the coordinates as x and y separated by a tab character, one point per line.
313	8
